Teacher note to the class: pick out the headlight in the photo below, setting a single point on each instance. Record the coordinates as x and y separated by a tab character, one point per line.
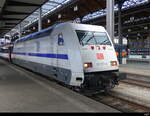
88	65
114	63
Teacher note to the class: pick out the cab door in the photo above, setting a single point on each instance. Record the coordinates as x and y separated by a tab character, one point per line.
58	50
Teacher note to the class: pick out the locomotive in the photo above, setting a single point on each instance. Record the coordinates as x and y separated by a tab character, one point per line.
78	55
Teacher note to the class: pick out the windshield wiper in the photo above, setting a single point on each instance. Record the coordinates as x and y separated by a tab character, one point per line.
104	42
89	39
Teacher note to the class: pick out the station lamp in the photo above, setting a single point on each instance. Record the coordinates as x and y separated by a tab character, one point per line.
48	21
33	28
76	8
59	16
138	34
146	28
132	19
129	30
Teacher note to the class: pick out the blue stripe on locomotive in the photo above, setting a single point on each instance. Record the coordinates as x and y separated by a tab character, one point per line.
57	56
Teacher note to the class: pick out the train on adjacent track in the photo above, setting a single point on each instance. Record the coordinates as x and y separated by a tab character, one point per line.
5	51
78	55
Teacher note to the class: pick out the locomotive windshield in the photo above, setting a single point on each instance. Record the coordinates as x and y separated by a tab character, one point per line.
93	38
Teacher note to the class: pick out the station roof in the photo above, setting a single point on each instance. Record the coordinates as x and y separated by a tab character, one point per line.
133	24
52	9
65	10
13	12
135	21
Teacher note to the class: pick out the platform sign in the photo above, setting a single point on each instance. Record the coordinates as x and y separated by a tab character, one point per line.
125	41
116	41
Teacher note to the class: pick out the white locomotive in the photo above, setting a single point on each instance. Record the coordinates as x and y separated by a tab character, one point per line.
78	55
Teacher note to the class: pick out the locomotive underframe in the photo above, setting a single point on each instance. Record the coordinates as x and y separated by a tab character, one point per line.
102	81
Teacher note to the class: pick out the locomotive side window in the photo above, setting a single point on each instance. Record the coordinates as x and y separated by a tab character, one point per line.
93	38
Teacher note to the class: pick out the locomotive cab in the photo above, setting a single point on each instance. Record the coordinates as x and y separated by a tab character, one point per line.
97	51
100	64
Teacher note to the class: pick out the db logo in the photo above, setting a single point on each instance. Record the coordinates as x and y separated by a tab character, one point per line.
100	56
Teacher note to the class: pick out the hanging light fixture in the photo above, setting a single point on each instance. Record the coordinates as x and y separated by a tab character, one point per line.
48	21
33	28
146	28
76	8
59	16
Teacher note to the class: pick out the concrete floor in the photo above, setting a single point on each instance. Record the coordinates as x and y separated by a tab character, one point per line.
24	91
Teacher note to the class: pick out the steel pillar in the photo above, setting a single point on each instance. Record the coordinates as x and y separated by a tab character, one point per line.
110	18
120	23
40	20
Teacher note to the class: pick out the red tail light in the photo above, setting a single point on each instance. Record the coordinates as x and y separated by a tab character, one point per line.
88	65
104	47
117	54
92	47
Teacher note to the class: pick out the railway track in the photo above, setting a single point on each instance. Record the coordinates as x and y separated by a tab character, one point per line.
119	99
138	80
140	83
116	100
120	104
132	95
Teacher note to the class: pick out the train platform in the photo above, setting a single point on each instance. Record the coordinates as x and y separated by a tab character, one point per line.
136	68
25	91
138	61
